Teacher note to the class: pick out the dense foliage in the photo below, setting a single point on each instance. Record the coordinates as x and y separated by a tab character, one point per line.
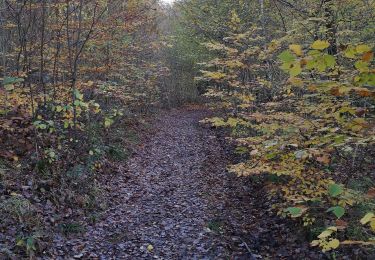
295	82
292	84
73	76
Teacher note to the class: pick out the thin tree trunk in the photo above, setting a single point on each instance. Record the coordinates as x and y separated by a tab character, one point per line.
41	73
331	26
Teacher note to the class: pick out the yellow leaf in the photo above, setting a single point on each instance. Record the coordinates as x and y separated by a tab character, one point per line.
325	233
320	45
362	48
296	48
295	81
59	108
90	83
351	242
332	228
150	248
312	88
334	243
295	70
372	224
367	218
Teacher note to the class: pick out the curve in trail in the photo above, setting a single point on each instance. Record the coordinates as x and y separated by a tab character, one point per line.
171	195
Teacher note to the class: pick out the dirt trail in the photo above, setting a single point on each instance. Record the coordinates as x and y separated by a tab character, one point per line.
176	201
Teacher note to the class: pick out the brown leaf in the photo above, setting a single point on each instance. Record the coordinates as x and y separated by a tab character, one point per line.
324	159
360	112
368	56
341	224
364	92
371	193
335	91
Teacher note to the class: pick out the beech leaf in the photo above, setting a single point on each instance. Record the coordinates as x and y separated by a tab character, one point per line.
320	45
367	218
338	211
334	190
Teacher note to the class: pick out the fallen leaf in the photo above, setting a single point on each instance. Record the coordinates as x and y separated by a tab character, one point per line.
341	224
334	243
150	248
371	193
367	218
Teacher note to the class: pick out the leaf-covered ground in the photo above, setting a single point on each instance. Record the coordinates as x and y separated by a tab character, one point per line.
175	200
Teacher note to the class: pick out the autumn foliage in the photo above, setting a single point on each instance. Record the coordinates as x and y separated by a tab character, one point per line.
70	71
291	83
301	113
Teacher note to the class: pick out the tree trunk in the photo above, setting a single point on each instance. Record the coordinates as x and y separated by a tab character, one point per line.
331	26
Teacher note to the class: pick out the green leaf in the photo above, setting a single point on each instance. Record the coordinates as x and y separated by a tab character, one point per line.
338	211
361	66
330	60
11	80
350	52
294	211
270	156
286	56
30	244
78	94
108	122
321	65
286	66
66	124
241	150
311	64
320	45
314	53
295	70
335	190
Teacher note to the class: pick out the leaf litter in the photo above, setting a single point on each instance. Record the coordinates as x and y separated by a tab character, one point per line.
174	199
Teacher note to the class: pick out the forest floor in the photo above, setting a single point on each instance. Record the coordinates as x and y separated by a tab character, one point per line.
175	200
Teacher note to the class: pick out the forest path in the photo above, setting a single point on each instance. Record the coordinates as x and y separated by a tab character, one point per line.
170	202
175	200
